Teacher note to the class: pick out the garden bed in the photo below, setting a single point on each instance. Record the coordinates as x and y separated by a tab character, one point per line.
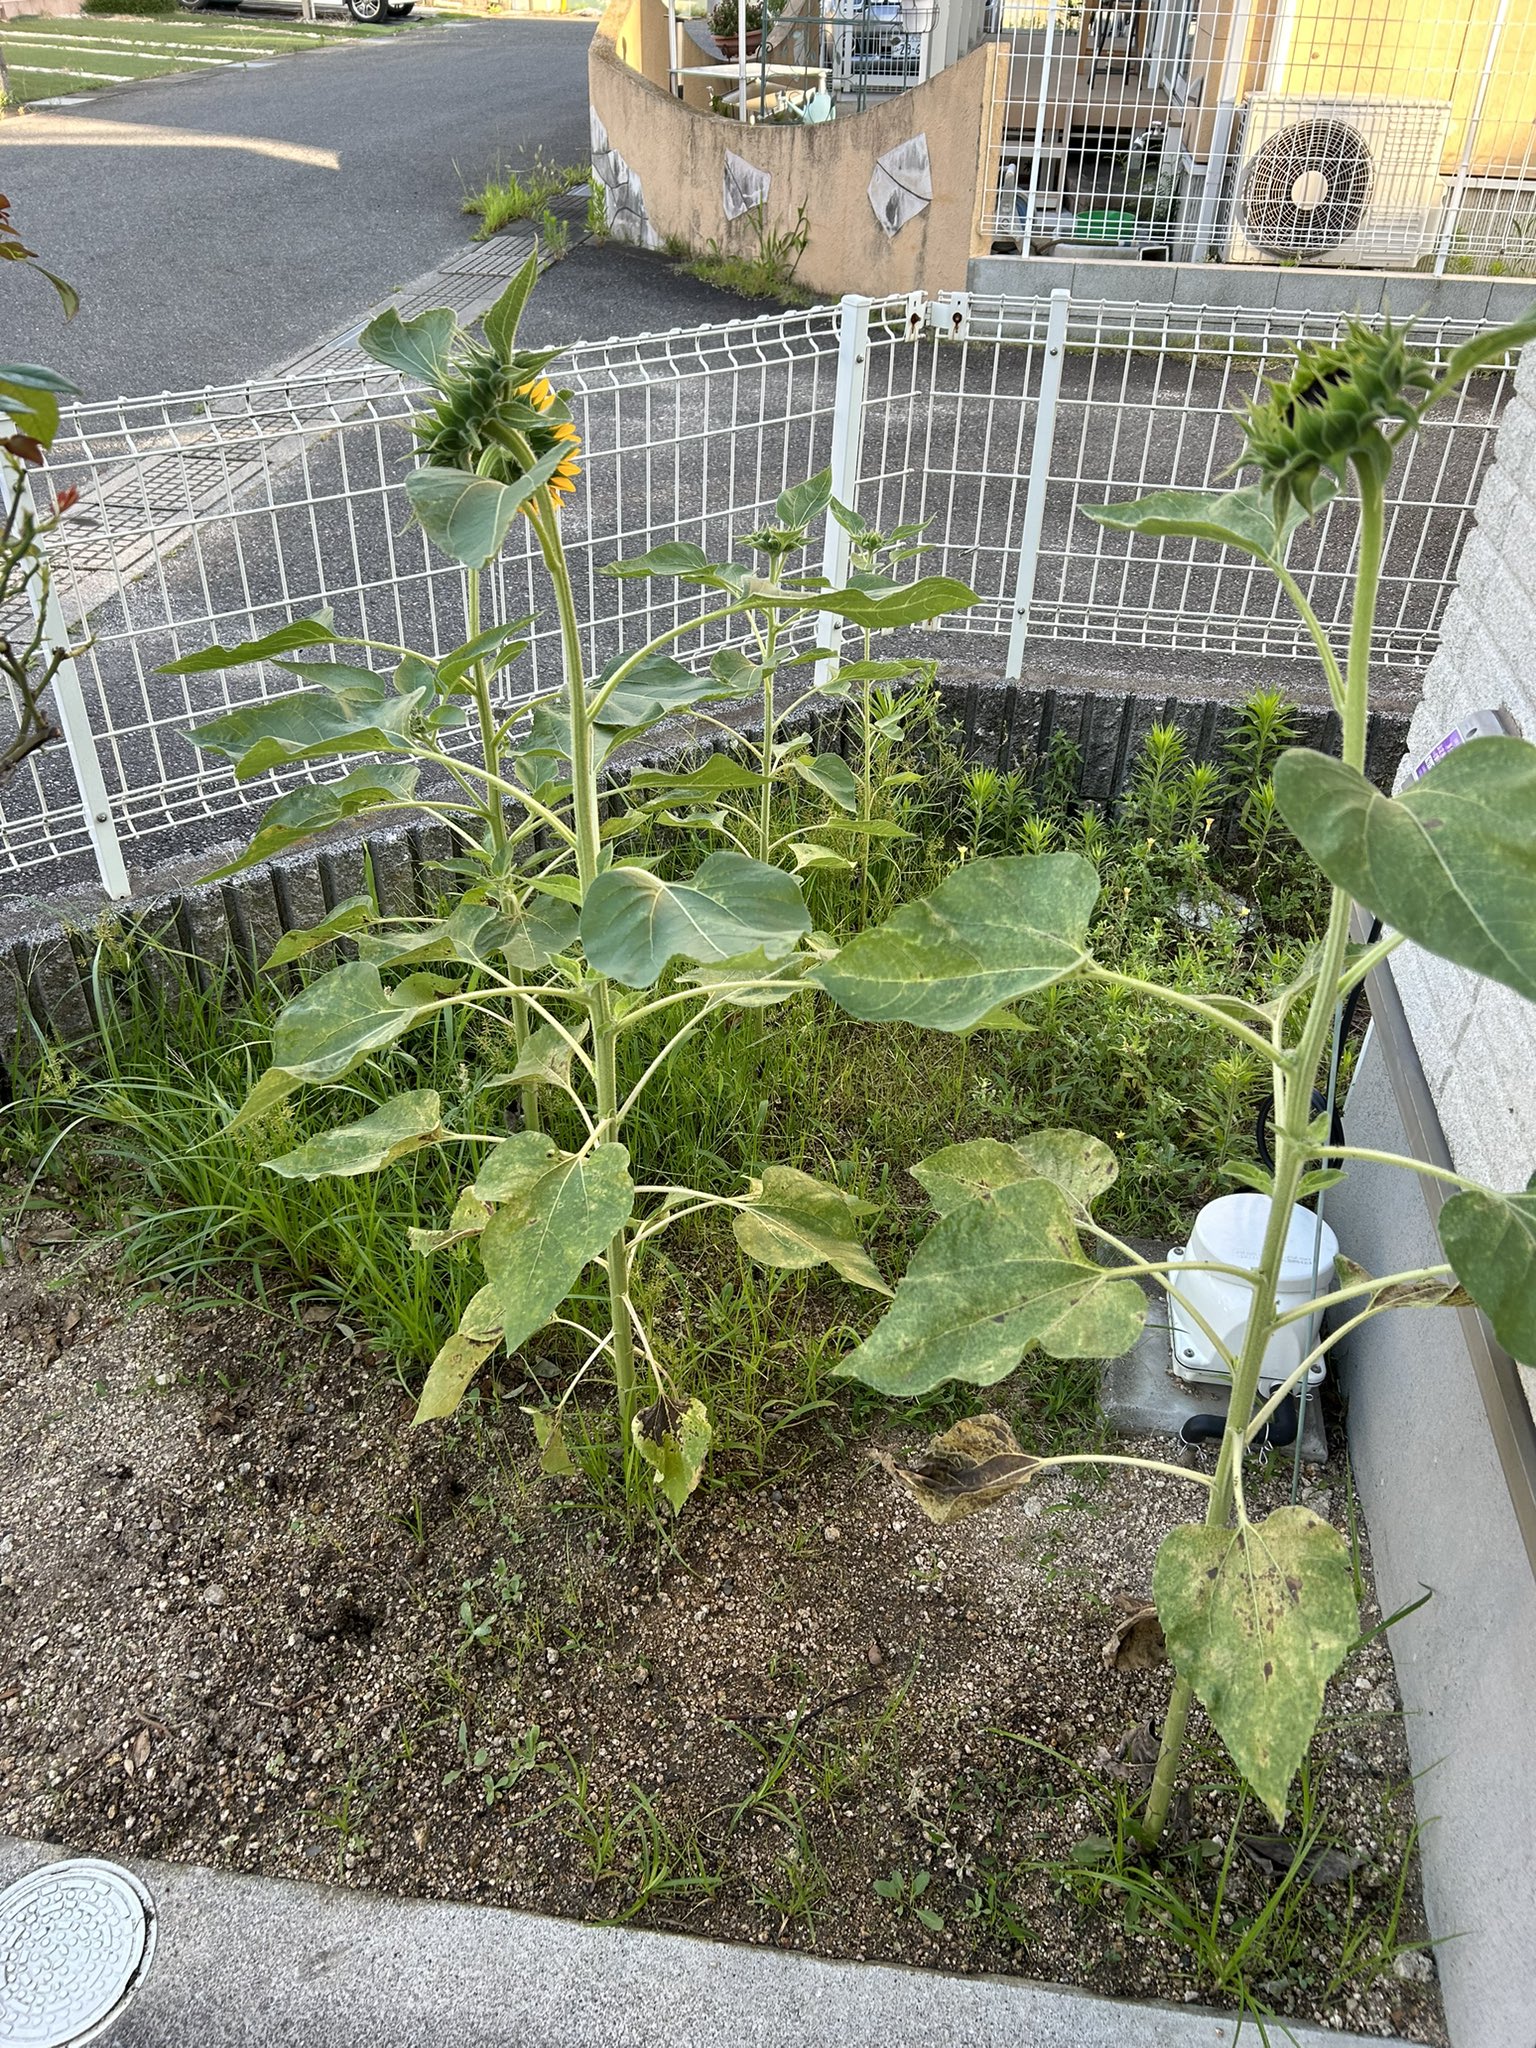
261	1624
260	1621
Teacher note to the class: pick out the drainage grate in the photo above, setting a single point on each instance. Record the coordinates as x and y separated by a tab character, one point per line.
75	1943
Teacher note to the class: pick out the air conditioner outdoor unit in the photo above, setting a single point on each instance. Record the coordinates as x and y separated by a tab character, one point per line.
1345	182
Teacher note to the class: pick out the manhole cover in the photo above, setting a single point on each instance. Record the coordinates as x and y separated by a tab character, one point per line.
75	1942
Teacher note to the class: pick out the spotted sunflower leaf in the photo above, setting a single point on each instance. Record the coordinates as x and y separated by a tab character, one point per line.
674	1441
990	1281
995	930
374	1141
1258	1619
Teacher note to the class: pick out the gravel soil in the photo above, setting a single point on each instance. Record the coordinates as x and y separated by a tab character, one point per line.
249	1617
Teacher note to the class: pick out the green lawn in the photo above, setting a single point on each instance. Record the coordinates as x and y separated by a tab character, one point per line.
51	58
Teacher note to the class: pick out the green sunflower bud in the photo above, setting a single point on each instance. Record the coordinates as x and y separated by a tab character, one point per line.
1329	414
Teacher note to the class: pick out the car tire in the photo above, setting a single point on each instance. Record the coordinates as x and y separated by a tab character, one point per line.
399	13
369	12
194	6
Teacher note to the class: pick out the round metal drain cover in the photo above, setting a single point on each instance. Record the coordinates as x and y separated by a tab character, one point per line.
75	1943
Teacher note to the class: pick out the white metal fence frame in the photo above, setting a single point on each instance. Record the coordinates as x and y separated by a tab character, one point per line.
219	515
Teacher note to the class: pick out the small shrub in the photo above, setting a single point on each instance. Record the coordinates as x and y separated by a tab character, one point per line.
134	9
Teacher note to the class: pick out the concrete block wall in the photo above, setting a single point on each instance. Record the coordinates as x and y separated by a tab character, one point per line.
1404	294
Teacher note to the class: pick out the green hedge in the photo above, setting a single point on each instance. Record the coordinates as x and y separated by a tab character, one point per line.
136	7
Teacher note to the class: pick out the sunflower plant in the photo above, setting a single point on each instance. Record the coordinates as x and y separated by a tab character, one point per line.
554	920
1257	1614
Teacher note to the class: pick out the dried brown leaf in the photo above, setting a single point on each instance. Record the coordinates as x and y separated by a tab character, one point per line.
1136	1643
964	1470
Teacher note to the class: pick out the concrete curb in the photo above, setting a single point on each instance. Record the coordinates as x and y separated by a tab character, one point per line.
250	1962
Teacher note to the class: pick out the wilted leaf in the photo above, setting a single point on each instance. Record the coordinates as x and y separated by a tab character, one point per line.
455	1365
1136	1641
1321	1864
1132	1761
994	930
373	1142
797	1221
1258	1619
1082	1167
1490	1239
1451	862
674	1441
1389	1293
549	1434
633	922
336	1022
469	1218
964	1470
350	915
990	1280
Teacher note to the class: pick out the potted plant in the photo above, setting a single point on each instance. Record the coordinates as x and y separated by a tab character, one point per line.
725	25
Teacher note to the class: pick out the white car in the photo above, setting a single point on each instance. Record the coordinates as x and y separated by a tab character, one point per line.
370	11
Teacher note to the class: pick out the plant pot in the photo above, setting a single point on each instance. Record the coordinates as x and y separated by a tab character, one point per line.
730	46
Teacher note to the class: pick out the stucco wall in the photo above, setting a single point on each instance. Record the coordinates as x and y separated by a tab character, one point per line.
678	155
1475	1039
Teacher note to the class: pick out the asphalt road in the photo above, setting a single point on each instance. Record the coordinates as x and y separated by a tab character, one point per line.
225	221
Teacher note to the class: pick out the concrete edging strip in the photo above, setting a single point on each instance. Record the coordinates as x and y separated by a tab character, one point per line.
244	1961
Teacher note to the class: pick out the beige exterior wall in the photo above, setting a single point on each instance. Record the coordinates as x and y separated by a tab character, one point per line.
678	153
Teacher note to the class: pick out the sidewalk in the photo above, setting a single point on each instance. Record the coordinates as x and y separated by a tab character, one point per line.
246	1962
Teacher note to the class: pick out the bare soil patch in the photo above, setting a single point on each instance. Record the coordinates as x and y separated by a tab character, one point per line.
252	1618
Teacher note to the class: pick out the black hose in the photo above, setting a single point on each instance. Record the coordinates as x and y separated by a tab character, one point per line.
1278	1434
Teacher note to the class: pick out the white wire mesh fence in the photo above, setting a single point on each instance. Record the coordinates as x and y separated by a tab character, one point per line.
1387	133
220	515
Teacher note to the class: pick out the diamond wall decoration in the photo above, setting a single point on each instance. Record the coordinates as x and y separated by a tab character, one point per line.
902	184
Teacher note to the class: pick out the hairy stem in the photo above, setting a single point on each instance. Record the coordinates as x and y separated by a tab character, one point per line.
588	830
1296	1076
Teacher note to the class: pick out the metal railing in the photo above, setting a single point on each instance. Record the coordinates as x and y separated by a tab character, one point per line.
1395	134
219	515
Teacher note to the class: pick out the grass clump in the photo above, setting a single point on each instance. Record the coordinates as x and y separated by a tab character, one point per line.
524	195
765	269
1201	889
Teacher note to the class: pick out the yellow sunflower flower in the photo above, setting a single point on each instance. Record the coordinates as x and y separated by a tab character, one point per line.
539	393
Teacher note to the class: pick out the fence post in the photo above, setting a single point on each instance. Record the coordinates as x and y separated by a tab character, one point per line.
847	452
74	720
1039	475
